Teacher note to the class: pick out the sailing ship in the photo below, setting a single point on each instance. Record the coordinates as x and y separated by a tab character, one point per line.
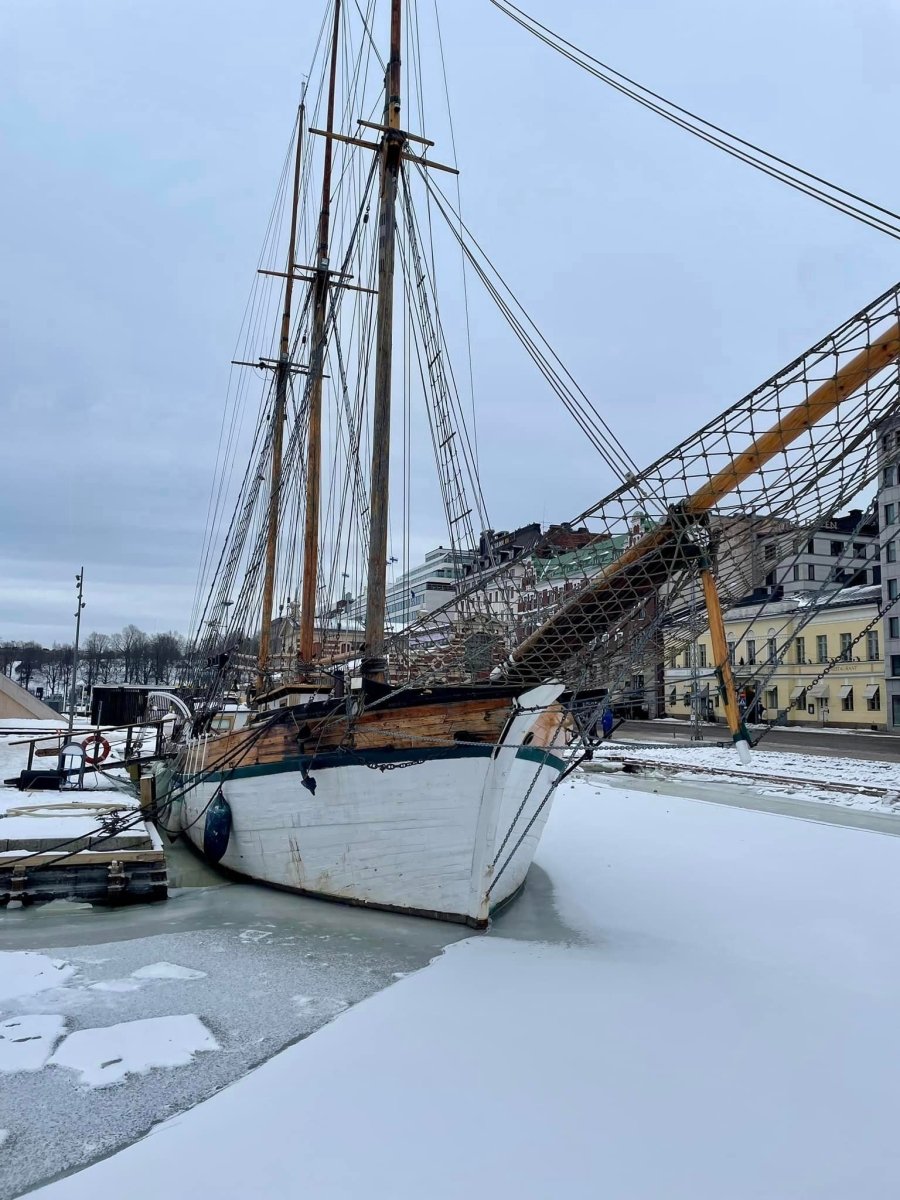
414	768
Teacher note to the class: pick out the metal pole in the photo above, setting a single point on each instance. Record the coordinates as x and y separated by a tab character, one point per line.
79	580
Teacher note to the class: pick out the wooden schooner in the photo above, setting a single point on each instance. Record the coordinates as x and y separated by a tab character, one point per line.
414	768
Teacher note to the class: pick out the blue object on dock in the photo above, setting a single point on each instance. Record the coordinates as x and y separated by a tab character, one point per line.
217	830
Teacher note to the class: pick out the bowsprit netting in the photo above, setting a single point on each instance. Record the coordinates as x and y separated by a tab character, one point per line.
595	605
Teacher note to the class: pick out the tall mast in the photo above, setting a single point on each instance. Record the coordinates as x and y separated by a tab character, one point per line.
392	142
317	367
283	372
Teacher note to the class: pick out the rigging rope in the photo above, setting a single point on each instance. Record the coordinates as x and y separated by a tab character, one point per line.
818	188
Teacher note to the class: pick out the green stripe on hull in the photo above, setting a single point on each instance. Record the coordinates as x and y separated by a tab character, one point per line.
372	758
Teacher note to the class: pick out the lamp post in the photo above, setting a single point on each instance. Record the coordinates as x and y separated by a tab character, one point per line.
79	580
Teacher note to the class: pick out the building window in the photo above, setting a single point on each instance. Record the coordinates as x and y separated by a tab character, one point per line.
673	697
770	579
887	477
811	546
836	549
732	651
892	589
772	698
822	647
872	647
751	652
847	699
796	572
673	663
846	646
800	643
891	550
859	549
894	627
895	665
772	650
873	701
701	654
769	551
890	514
811	573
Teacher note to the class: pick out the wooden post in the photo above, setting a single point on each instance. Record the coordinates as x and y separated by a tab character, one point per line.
721	661
283	372
317	369
392	144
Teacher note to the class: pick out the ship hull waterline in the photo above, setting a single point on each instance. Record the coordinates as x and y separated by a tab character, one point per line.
433	831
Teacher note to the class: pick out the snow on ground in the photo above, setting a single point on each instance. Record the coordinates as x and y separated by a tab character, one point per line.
852	772
105	1056
719	1024
23	973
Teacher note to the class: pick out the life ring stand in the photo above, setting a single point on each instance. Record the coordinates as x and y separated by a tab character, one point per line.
101	750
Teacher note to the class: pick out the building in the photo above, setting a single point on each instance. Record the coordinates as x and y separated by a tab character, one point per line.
889	514
420	590
779	650
843	551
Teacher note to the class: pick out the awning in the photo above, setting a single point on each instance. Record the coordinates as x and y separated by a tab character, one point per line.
820	691
797	692
846	690
871	691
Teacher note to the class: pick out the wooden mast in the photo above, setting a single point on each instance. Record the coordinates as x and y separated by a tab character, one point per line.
282	374
392	143
316	368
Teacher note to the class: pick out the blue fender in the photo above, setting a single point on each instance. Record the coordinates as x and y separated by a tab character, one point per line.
217	830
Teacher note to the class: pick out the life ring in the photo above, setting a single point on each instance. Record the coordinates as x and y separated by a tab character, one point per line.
101	751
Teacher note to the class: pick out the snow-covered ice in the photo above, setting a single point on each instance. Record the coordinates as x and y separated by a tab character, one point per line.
23	973
167	970
717	1025
27	1042
105	1056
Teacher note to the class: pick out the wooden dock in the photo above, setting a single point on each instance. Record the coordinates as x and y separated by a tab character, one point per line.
70	844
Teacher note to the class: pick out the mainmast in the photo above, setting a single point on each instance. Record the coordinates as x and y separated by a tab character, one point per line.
392	144
317	367
282	374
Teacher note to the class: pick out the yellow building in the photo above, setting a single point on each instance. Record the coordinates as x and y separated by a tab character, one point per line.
780	652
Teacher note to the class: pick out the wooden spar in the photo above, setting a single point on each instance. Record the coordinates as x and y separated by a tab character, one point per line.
721	661
317	368
283	374
392	145
550	644
823	400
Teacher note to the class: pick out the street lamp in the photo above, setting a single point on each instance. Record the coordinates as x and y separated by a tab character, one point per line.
79	581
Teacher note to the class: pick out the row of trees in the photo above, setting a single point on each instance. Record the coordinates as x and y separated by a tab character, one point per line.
131	656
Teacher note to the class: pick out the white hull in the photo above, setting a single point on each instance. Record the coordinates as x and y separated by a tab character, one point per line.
430	835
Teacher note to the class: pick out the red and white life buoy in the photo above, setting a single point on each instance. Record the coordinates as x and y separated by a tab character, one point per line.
100	750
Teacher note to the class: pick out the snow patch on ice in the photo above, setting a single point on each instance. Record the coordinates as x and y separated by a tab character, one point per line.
25	973
4	1137
105	1056
167	970
27	1042
115	985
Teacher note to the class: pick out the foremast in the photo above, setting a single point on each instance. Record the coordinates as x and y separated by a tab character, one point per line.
282	375
306	638
393	139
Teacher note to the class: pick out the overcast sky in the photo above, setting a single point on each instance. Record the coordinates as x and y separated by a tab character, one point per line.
140	148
